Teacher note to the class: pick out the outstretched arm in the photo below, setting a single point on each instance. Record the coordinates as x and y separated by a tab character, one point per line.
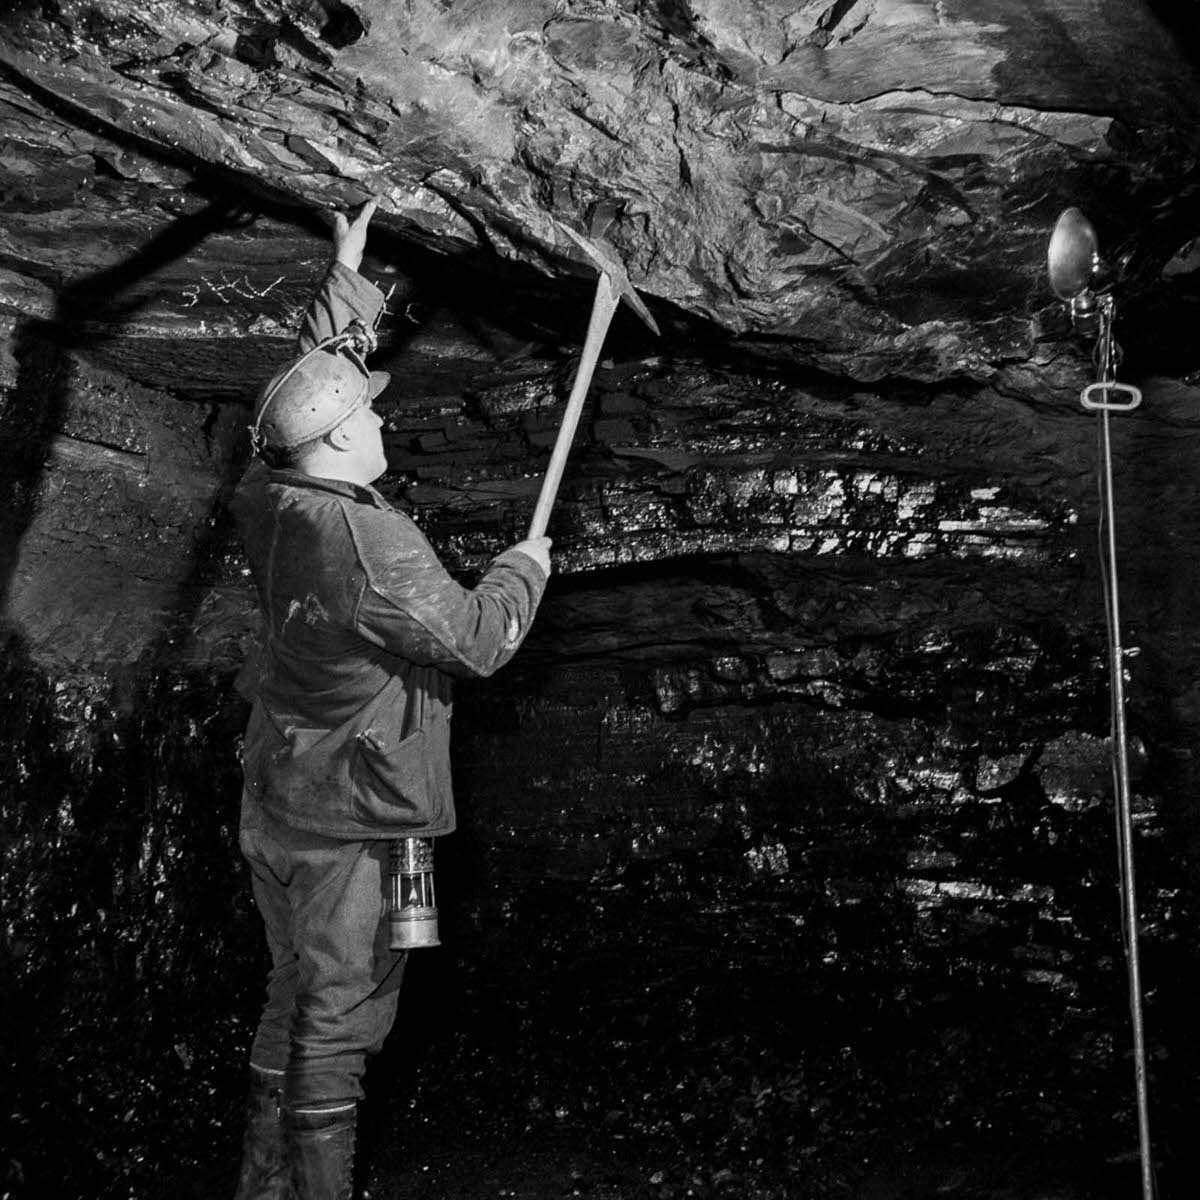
344	295
413	608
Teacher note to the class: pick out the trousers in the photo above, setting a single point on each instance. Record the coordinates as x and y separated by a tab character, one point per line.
333	985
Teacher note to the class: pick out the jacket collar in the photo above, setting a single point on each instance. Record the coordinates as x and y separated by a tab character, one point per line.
363	493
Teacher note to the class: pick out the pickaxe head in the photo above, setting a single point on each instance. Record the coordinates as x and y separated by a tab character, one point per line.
603	256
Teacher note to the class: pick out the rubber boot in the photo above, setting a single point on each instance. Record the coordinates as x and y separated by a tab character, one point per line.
264	1174
320	1140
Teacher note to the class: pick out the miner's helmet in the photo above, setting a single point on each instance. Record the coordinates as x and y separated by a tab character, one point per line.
316	392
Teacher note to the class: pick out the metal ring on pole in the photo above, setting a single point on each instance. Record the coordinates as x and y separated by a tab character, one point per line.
1105	405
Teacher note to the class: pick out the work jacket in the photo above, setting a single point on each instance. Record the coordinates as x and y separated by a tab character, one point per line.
349	731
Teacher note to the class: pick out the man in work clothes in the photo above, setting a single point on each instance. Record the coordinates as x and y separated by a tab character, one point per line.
348	740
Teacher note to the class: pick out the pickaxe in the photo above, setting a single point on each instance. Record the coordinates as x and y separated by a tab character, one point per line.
612	287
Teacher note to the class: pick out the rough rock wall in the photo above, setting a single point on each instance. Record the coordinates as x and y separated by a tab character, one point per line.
868	183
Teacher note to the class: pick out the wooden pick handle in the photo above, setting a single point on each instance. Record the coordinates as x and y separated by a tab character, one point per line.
603	308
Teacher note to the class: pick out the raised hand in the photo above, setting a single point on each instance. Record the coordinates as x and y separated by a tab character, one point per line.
350	235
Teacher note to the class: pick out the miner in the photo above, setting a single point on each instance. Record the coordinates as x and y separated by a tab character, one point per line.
348	742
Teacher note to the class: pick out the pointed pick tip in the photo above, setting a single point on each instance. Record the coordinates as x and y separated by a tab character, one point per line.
638	305
605	259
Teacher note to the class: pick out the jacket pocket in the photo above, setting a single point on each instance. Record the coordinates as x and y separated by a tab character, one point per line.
303	770
390	786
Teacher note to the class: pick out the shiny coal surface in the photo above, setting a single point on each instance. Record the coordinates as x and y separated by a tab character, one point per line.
747	949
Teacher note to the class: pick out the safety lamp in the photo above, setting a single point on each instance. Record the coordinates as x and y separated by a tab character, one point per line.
413	918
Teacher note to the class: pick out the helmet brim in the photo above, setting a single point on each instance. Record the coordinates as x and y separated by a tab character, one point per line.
379	380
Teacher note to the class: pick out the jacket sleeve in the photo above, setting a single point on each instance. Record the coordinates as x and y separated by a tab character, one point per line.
343	296
411	607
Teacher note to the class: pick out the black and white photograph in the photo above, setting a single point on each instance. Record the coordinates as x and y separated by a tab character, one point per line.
599	599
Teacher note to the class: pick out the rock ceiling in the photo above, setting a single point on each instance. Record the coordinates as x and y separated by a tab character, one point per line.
866	184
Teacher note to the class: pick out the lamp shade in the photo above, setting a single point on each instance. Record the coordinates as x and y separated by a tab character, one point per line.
1073	256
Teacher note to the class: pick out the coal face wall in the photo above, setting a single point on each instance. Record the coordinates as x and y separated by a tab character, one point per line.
788	922
790	827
